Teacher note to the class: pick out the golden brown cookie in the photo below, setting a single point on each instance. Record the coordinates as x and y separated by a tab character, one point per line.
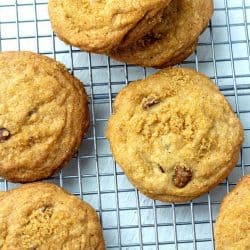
43	216
43	116
232	228
174	134
181	25
181	57
2	194
99	25
143	27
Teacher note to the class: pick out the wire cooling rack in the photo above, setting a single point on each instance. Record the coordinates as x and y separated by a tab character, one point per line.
129	219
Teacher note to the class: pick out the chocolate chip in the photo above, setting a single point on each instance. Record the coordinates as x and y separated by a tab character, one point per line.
149	102
32	111
182	176
161	169
4	134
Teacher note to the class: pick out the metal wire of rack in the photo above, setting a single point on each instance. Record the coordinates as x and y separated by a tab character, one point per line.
129	219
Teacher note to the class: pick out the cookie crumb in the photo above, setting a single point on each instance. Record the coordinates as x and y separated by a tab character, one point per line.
149	102
182	176
4	134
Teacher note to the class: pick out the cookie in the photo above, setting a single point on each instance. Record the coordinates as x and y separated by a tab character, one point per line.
100	25
181	26
143	27
2	194
182	56
174	134
232	228
43	116
44	216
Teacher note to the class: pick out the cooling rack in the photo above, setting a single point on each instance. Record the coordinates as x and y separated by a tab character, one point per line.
129	219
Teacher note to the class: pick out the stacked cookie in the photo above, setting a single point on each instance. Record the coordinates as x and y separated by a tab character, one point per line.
100	25
155	33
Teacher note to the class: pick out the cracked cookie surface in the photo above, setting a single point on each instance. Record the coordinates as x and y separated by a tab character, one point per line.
232	228
43	116
43	216
182	23
174	134
99	25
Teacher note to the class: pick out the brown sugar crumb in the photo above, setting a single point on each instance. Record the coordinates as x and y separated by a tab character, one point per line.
4	134
149	102
38	228
182	176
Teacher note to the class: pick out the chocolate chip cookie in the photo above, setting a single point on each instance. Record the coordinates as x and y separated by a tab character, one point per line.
174	134
181	25
43	116
232	228
44	216
144	26
100	25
